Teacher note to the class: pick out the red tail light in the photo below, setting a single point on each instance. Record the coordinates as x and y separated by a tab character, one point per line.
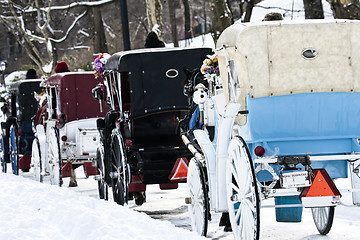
259	151
64	138
128	143
19	133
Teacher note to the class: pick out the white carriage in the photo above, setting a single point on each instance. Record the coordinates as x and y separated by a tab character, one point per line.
290	122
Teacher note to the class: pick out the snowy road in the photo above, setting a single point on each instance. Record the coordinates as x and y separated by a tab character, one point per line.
170	206
165	206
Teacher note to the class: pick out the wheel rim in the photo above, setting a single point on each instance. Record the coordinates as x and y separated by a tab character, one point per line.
102	185
242	193
13	150
120	186
54	158
2	155
36	160
323	218
199	207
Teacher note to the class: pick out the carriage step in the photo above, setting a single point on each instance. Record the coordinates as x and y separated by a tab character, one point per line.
187	200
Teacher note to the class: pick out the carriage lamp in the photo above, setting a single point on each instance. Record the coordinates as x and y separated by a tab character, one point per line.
259	151
2	70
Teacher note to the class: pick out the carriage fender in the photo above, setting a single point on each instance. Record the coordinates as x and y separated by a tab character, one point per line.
207	148
40	134
223	140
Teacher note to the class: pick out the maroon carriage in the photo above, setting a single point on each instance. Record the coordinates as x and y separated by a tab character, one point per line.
65	128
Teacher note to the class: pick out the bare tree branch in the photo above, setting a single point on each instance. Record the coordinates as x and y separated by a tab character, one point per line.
69	29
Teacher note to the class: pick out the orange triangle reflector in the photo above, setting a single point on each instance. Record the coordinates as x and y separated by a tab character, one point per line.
322	185
179	172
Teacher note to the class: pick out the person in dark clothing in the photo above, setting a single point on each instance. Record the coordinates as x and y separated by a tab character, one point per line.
31	74
152	41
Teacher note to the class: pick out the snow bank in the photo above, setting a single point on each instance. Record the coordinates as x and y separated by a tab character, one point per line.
31	210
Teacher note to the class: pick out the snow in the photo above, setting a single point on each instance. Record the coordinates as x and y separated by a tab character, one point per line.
32	210
14	76
200	41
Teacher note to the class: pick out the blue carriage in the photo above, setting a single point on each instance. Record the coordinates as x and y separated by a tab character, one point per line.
286	124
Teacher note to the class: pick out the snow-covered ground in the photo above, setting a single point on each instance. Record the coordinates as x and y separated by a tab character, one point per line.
31	210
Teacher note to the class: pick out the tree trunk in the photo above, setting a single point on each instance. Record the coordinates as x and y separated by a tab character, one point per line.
221	17
187	19
234	8
154	13
345	9
174	34
242	9
313	9
100	45
248	12
125	25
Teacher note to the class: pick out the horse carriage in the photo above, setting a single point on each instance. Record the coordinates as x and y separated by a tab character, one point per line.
66	136
286	125
17	135
140	143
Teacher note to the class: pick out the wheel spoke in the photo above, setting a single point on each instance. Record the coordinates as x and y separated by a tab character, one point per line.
198	209
323	218
235	188
235	176
242	191
119	165
54	158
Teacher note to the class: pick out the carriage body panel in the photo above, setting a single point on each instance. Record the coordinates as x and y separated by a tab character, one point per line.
75	96
82	140
306	124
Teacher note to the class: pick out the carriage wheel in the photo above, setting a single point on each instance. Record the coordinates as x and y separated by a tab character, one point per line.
2	155
323	218
119	172
242	192
102	185
13	149
199	208
54	158
36	160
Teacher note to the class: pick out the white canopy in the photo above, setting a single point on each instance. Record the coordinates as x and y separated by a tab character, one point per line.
287	57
